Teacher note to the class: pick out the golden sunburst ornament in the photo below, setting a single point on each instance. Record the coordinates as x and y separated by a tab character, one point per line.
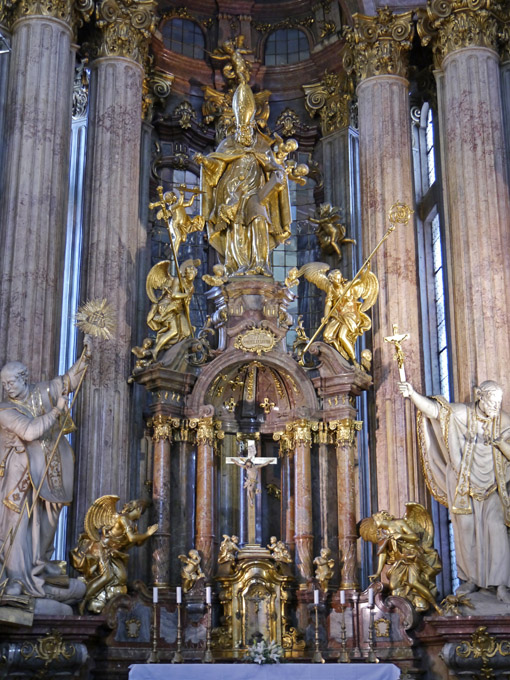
96	318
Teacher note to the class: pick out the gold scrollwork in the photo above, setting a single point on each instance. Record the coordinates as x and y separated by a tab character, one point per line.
331	98
256	340
457	24
156	87
378	45
286	443
289	122
127	27
483	646
48	648
208	429
382	627
133	627
345	430
73	12
162	427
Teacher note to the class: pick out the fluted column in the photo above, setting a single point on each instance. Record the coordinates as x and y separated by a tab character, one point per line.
161	497
303	537
377	49
205	521
114	241
344	432
36	158
505	86
464	42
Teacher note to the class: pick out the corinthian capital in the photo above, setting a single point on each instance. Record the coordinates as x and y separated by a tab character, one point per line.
331	99
72	12
378	45
208	429
455	24
162	427
127	26
345	430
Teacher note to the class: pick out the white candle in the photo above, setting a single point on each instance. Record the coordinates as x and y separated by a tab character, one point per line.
370	597
342	597
316	597
402	373
178	595
208	594
155	595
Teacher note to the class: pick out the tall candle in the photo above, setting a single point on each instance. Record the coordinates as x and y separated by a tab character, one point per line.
155	595
370	597
208	594
342	597
316	597
178	595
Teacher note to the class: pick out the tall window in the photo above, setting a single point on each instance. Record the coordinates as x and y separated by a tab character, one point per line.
286	46
184	37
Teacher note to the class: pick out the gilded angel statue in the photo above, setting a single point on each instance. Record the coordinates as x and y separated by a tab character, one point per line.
169	313
325	565
228	549
346	303
406	547
101	553
330	231
238	69
191	571
172	209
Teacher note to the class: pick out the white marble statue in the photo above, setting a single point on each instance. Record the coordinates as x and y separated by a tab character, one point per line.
36	479
465	450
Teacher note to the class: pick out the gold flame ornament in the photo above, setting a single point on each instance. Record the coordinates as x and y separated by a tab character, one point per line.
96	318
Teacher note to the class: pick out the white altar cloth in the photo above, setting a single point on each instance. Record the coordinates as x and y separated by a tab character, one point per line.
251	671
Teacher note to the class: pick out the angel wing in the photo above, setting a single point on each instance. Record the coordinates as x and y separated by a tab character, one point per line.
156	279
315	272
100	514
420	521
369	290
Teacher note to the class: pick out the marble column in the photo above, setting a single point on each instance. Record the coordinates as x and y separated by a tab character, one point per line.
475	169
36	157
377	50
288	507
161	498
323	483
303	536
205	521
344	432
114	241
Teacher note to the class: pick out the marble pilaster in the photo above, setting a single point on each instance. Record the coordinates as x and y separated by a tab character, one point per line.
475	167
377	50
33	214
114	241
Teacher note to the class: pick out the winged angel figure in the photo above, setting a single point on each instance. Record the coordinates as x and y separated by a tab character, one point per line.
346	303
406	546
101	551
169	313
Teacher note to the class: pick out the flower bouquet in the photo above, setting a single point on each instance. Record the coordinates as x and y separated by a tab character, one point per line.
263	652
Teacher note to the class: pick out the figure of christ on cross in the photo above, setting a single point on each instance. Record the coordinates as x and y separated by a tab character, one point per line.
251	465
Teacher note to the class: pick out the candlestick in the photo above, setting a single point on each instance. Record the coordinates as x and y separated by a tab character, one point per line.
342	597
177	657
154	654
316	596
344	654
208	594
317	656
370	597
371	657
208	657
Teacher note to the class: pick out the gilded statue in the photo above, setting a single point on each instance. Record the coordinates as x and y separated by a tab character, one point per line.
169	313
191	571
217	278
346	303
144	357
36	476
279	551
330	231
101	554
405	546
324	568
245	193
238	69
465	449
172	209
229	548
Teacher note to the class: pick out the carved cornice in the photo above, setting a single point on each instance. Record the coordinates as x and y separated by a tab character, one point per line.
162	427
452	25
127	26
331	98
72	12
378	45
344	431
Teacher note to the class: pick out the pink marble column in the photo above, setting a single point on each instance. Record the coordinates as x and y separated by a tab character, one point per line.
386	177
114	242
33	212
205	521
303	536
345	441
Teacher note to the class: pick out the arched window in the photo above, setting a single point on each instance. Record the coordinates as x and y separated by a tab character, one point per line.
184	37
286	46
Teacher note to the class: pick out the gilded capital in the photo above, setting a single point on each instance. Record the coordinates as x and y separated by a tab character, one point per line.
286	441
451	25
378	45
127	26
301	431
156	87
331	98
208	430
345	430
162	427
72	12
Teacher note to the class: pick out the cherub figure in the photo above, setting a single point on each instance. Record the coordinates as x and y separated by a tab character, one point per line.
228	549
144	358
238	69
279	550
180	223
330	231
218	277
345	304
325	565
101	551
191	571
406	546
169	314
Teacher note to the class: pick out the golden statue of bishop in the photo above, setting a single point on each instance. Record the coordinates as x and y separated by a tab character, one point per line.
245	193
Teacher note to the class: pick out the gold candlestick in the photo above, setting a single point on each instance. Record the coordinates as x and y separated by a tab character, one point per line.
208	657
154	655
317	656
177	657
344	654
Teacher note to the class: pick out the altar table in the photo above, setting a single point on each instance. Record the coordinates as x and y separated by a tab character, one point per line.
252	671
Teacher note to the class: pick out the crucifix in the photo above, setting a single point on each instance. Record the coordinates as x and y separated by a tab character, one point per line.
251	465
397	339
